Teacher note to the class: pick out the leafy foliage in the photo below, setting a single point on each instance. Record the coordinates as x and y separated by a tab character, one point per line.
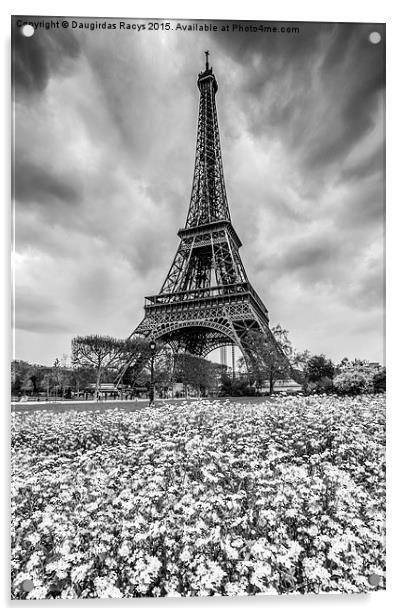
351	383
359	376
34	378
274	358
97	352
266	362
195	371
104	353
324	385
318	367
379	381
239	386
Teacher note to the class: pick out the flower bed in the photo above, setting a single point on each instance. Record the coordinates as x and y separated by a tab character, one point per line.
199	499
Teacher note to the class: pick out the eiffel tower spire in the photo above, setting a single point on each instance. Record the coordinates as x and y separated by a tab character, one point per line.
206	300
208	196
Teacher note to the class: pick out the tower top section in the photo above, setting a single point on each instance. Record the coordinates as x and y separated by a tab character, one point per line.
207	78
208	202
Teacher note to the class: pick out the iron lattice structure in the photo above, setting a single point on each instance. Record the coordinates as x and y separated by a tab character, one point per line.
206	300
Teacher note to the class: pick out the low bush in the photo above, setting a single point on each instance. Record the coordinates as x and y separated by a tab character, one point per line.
351	383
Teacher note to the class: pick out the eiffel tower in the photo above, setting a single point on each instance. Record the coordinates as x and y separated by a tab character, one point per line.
206	300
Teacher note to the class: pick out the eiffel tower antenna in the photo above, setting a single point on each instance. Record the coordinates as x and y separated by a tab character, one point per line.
206	300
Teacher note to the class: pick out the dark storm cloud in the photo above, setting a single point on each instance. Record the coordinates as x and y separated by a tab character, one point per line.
356	103
366	167
363	208
134	94
310	256
310	260
275	50
36	58
341	37
332	63
34	183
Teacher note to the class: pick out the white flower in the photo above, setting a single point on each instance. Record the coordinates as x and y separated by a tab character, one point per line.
124	549
314	570
78	573
34	538
39	592
221	489
185	555
312	530
260	576
60	566
105	589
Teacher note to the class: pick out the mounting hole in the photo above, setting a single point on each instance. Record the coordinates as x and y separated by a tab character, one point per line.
27	30
374	579
374	37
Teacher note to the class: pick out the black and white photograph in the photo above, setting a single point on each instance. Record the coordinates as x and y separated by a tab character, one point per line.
198	377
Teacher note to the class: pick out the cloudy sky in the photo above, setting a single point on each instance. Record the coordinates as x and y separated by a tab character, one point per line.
105	127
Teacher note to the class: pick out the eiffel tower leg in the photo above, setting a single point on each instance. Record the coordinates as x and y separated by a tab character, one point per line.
144	329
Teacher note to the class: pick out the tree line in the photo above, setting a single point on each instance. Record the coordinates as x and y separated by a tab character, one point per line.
96	360
317	374
101	359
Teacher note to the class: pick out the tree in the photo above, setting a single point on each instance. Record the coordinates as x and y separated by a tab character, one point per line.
27	377
324	386
281	336
57	374
109	356
62	376
164	368
236	386
318	367
267	361
139	375
35	383
27	386
82	376
195	371
300	360
134	357
379	381
226	386
98	352
261	362
47	383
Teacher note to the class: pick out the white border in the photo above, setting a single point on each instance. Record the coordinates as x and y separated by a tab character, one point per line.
286	10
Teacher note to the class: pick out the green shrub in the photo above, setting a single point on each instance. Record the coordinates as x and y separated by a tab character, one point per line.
324	386
351	383
319	367
379	381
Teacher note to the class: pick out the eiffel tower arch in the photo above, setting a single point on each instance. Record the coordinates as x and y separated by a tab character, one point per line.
206	300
